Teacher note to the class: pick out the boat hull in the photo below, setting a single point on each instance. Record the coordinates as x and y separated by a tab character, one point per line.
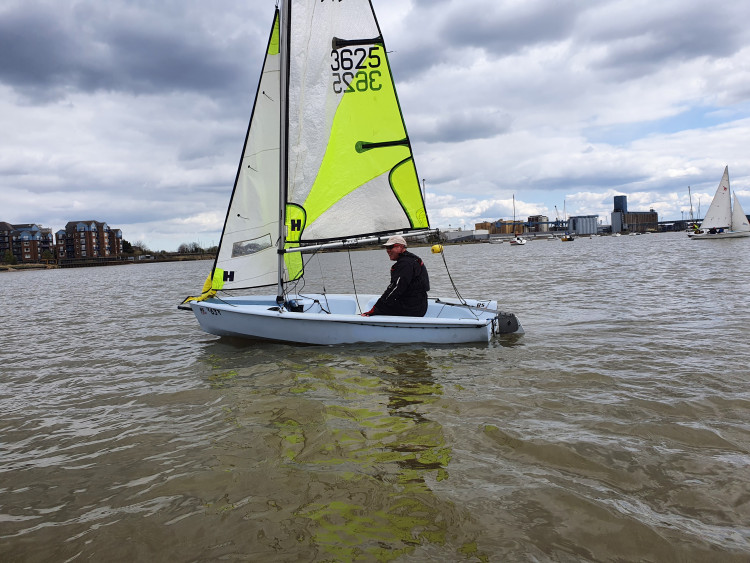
335	319
714	236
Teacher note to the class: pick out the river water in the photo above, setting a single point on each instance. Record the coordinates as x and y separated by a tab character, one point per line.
616	429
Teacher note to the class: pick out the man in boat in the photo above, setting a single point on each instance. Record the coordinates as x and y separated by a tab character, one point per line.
406	295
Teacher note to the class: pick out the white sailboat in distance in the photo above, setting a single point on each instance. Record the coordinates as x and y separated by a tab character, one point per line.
723	220
516	240
327	163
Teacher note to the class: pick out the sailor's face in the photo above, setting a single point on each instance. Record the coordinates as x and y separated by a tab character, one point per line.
394	251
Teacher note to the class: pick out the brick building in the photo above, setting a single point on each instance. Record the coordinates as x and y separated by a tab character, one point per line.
6	238
27	242
88	239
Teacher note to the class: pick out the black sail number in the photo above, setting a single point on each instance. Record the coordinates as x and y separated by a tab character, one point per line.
355	70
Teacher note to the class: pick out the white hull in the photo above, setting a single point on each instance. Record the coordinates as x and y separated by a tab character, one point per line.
728	234
334	319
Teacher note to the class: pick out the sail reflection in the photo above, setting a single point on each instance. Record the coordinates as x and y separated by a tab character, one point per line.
379	451
354	429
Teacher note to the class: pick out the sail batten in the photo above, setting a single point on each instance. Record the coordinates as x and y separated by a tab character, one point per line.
339	43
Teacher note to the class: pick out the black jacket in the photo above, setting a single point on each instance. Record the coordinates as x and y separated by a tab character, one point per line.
406	295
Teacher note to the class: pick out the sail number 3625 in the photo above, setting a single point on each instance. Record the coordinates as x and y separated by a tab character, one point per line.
355	70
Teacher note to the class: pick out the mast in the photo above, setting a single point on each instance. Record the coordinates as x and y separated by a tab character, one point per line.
285	30
690	195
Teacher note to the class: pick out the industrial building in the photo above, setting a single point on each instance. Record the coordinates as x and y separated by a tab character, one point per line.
583	224
538	224
632	221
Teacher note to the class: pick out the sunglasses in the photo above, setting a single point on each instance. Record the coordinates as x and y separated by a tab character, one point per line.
390	246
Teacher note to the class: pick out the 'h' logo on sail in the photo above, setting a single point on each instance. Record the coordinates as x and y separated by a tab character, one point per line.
228	276
296	224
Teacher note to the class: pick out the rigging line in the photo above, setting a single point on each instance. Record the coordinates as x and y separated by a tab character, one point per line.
322	280
354	284
222	301
322	275
294	284
453	284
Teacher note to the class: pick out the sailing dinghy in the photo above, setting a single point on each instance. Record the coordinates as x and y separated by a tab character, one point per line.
723	220
327	163
516	240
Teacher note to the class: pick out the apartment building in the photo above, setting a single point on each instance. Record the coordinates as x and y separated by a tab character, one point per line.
88	239
6	238
27	242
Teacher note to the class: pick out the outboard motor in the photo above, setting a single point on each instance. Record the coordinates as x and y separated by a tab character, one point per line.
504	323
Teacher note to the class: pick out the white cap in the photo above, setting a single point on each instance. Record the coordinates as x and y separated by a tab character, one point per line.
396	239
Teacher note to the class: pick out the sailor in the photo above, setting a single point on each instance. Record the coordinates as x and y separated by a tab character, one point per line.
406	295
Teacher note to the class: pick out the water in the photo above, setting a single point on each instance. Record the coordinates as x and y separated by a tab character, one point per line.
616	429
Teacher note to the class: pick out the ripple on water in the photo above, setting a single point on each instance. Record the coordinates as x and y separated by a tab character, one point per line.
615	429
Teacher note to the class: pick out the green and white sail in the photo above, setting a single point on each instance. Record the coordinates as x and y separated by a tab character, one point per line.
326	152
351	170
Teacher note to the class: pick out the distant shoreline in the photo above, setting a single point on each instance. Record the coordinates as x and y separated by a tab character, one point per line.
89	264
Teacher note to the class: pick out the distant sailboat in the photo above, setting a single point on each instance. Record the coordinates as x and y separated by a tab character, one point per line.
516	240
723	220
567	237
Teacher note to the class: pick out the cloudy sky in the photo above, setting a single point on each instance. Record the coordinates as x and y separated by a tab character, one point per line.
134	112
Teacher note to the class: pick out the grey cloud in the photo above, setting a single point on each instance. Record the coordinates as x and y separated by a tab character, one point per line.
642	43
502	30
46	51
446	29
458	126
595	180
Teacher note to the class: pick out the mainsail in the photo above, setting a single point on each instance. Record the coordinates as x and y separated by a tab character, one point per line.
351	171
719	214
